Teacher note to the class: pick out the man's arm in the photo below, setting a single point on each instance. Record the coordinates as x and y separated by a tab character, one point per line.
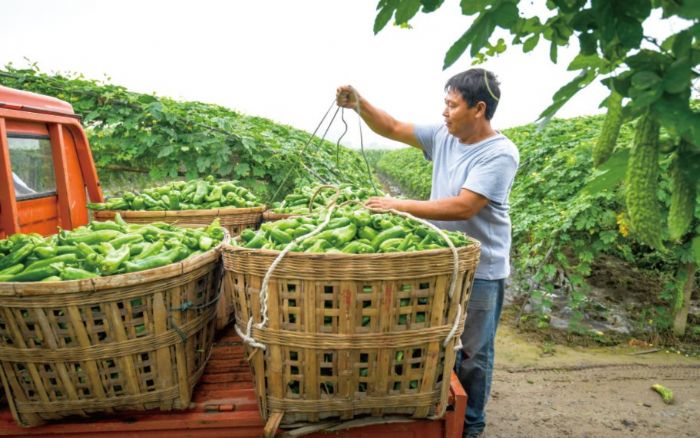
378	120
461	207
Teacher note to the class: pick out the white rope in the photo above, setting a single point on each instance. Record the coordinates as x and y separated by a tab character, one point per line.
247	336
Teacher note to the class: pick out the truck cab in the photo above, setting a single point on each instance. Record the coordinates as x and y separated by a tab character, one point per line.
47	174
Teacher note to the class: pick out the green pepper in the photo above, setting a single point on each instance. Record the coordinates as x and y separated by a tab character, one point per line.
301	230
137	248
389	233
343	235
318	246
337	223
95	237
106	225
51	278
367	232
126	239
17	255
205	242
256	242
214	195
65	258
45	252
357	247
280	236
69	273
361	218
247	235
200	192
153	249
155	261
138	203
114	260
38	274
14	269
390	245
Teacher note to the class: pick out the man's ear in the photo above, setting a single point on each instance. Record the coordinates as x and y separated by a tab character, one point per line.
481	109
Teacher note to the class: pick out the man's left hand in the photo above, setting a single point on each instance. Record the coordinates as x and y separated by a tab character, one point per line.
383	203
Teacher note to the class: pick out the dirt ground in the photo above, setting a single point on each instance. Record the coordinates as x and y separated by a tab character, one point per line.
545	390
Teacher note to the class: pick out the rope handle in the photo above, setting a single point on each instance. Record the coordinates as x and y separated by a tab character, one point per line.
247	335
318	190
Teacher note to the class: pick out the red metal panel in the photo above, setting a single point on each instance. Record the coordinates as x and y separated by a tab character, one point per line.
76	184
32	128
32	101
38	215
58	148
9	222
87	164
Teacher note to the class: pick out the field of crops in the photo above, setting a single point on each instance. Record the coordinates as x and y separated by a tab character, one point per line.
566	214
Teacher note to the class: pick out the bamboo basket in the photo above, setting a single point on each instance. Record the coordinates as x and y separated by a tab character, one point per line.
126	342
351	335
234	220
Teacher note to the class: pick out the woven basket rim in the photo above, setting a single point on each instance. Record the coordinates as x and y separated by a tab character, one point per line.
39	288
177	213
474	245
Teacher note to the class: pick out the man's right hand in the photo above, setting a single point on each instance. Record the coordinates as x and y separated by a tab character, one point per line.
347	97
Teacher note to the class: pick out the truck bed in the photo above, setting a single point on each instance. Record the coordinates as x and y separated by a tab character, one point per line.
224	405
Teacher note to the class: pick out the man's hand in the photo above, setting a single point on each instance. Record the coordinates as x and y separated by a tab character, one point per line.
384	203
347	97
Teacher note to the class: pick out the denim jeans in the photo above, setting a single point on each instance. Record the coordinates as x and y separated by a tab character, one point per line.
474	364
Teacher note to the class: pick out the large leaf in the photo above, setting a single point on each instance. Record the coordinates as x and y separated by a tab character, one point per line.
406	10
471	7
431	5
566	92
610	174
386	11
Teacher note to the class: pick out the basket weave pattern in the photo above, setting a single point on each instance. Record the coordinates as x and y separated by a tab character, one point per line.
350	335
134	341
234	220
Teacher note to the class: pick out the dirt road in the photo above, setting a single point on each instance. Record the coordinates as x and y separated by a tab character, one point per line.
557	391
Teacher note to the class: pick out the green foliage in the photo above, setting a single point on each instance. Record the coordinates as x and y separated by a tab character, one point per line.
171	139
408	169
564	212
654	77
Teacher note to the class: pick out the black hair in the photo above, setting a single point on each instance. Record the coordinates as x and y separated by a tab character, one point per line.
475	85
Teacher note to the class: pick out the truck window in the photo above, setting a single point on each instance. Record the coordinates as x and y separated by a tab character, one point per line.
32	166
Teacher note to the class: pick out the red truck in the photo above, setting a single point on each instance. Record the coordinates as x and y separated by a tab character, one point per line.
47	176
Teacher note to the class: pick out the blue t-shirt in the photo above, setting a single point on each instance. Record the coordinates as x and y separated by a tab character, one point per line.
487	168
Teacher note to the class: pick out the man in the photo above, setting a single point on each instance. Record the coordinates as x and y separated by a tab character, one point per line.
474	168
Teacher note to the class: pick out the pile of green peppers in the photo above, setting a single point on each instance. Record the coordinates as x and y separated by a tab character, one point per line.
199	194
298	201
101	249
351	230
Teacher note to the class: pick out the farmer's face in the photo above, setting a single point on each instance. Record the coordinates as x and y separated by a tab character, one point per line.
459	118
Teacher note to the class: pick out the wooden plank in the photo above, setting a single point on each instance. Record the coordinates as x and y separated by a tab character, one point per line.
84	341
313	318
164	364
127	369
432	351
382	369
272	424
346	370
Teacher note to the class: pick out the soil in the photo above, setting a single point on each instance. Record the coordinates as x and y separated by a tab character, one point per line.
545	390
